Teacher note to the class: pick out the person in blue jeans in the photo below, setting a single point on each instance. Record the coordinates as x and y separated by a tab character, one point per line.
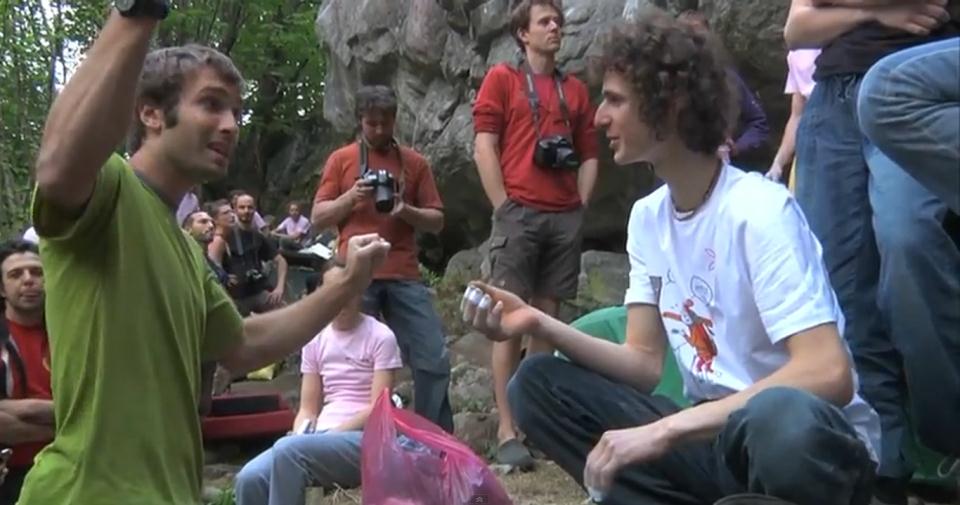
347	200
725	271
345	369
909	108
892	263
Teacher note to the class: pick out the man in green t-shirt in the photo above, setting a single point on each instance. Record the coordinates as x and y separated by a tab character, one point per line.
132	308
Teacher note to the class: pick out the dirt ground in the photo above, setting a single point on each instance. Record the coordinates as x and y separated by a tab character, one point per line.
548	485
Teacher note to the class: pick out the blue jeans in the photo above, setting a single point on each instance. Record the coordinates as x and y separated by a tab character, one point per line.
280	475
910	108
785	442
893	267
407	308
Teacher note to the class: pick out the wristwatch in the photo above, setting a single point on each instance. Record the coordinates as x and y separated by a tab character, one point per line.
157	9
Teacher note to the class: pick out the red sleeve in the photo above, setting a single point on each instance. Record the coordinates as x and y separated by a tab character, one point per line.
491	102
585	137
329	188
427	195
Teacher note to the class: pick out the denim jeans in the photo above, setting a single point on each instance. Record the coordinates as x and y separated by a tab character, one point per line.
280	475
407	308
894	269
909	107
785	442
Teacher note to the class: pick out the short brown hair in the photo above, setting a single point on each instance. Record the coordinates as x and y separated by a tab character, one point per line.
213	208
695	18
672	69
188	221
520	15
375	98
164	73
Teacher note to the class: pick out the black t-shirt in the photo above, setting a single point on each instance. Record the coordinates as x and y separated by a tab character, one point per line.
249	249
856	51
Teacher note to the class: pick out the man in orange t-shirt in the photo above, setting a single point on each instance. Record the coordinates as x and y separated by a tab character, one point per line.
349	200
26	409
538	205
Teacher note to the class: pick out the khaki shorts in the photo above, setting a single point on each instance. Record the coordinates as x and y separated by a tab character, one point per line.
535	253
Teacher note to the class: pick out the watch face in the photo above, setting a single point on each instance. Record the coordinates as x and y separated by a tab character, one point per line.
124	5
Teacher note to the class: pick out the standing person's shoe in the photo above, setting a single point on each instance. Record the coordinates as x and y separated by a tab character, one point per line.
514	453
752	499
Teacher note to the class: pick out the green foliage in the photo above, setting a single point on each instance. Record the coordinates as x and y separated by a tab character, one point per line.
430	278
227	497
449	292
272	42
33	38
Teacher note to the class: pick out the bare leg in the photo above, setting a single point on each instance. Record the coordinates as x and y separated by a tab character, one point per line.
506	358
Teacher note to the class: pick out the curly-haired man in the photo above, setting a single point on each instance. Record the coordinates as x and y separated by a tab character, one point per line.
724	271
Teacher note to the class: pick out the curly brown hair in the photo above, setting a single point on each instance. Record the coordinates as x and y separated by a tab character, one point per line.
672	70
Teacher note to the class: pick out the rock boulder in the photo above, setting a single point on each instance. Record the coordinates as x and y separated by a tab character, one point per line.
436	52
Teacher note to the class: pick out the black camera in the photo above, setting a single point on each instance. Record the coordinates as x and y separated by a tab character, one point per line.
384	188
556	152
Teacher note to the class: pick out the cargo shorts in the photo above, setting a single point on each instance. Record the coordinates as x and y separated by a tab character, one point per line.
534	252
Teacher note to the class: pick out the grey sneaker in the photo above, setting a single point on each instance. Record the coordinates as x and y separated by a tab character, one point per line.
752	499
515	454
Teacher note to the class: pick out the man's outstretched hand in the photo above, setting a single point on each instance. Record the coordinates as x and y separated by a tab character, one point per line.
498	314
364	254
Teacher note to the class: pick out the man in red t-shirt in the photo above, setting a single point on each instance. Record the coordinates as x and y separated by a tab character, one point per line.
538	206
349	200
26	409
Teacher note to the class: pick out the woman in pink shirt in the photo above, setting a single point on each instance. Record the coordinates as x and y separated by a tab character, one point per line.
345	368
800	64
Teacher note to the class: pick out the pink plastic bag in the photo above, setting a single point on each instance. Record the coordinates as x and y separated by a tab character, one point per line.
407	460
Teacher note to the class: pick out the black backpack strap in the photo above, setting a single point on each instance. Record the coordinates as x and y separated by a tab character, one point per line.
4	337
15	361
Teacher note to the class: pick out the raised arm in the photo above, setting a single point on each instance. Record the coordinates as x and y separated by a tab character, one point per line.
90	117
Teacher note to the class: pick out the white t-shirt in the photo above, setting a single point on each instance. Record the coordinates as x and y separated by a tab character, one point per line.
289	226
732	283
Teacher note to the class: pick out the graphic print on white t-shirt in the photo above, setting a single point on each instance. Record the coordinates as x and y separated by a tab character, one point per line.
685	309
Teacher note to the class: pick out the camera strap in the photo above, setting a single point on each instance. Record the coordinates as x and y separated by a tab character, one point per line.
239	243
364	166
534	99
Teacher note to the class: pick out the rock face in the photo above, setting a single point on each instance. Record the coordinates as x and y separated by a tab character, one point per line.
434	53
